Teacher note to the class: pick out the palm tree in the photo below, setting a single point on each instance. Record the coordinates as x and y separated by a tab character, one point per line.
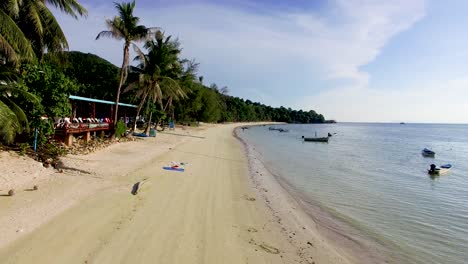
160	73
28	27
125	27
13	120
13	43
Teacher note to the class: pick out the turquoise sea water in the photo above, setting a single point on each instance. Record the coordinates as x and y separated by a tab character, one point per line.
373	178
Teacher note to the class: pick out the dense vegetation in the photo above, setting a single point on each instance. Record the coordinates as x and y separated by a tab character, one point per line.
37	75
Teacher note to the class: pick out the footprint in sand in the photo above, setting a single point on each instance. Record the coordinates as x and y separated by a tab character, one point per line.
252	230
269	249
265	247
248	198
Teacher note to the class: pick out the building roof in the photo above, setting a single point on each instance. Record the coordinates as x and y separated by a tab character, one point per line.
74	97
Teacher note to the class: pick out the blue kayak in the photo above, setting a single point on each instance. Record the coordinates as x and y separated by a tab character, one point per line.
446	166
174	169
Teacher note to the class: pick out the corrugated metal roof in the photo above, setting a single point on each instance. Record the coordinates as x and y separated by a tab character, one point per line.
74	97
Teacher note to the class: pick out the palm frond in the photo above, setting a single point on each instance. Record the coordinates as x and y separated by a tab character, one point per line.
70	7
54	39
33	18
13	42
12	7
21	118
9	125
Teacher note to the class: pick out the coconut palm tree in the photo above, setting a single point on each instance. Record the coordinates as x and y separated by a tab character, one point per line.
13	43
160	73
28	27
12	118
125	27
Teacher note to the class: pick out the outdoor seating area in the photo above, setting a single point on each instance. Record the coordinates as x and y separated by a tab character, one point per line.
68	127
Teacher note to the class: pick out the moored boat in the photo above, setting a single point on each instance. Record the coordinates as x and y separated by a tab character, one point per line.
428	153
315	139
443	169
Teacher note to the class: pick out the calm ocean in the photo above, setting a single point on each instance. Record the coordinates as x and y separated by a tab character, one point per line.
373	178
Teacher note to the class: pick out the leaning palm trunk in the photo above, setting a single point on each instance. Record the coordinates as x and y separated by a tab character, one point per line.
149	124
140	106
159	122
123	78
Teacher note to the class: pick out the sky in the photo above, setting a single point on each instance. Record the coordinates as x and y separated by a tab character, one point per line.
351	60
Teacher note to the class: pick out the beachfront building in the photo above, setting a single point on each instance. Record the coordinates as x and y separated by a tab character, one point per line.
90	116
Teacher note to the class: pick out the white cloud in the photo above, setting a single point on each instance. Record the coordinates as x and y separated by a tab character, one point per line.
279	54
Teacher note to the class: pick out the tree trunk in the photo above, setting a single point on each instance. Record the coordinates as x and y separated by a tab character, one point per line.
140	106
123	77
149	123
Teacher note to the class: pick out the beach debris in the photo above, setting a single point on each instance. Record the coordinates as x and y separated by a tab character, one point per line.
11	192
310	243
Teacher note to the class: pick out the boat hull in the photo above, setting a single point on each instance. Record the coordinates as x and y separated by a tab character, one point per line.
325	139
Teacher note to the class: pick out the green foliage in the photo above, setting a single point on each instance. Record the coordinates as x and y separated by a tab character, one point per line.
211	105
51	151
24	147
52	86
13	119
120	129
98	77
28	28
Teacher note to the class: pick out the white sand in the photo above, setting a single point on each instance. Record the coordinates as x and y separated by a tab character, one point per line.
206	214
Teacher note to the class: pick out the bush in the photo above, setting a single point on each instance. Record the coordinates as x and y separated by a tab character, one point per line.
51	151
120	129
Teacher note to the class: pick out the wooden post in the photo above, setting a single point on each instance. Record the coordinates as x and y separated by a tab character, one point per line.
68	139
87	136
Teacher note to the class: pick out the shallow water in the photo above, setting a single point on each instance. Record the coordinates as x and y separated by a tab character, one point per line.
374	178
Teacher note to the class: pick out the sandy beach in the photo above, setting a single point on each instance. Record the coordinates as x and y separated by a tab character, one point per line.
224	208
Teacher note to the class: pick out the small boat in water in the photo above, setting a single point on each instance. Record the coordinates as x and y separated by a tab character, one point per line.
315	139
427	153
443	169
283	130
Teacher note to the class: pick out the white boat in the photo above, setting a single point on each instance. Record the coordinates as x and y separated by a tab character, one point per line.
443	169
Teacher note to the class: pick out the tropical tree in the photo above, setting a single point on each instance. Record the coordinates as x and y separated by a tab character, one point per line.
125	27
160	73
13	120
28	27
13	43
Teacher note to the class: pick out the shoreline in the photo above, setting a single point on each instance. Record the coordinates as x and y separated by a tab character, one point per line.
289	216
214	212
347	240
